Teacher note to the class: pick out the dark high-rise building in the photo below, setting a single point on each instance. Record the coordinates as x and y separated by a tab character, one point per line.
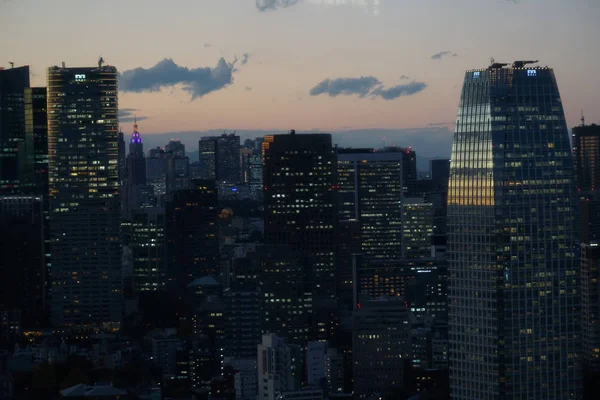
590	306
586	152
22	258
191	233
84	196
36	134
122	158
381	348
207	147
243	318
228	158
440	172
13	149
178	173
147	246
514	279
370	192
417	228
409	167
300	202
175	147
287	292
220	157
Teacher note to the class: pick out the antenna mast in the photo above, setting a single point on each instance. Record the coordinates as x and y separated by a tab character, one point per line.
582	118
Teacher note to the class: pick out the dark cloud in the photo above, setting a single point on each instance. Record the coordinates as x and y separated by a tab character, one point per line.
128	115
166	73
245	58
365	86
404	77
267	5
399	90
346	86
248	88
442	54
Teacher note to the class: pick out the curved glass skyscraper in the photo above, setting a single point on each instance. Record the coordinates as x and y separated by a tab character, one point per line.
514	325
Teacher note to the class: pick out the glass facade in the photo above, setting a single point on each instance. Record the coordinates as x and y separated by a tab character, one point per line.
586	150
370	191
514	282
84	197
417	228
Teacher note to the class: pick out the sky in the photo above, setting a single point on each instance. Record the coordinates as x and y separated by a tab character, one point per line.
368	71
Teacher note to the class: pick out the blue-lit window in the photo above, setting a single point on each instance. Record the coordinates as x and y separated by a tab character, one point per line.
476	74
531	72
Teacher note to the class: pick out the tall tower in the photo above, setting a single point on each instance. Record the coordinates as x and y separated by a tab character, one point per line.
84	197
514	279
300	203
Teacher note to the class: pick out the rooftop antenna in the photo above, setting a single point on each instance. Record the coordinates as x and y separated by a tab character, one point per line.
64	65
100	62
12	64
492	60
582	118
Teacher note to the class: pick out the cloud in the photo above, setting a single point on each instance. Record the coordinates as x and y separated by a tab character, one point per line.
346	86
268	5
127	115
365	86
245	58
248	88
166	73
399	90
207	45
404	77
442	54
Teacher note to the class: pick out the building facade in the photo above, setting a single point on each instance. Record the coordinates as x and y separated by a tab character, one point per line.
586	152
300	202
514	282
370	192
84	197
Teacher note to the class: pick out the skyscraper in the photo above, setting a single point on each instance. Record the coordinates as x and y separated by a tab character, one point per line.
300	203
36	137
84	196
220	157
586	150
148	249
370	192
22	260
381	348
135	173
191	233
417	228
13	83
514	281
440	172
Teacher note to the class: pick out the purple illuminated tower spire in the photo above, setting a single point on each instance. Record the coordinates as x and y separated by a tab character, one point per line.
136	146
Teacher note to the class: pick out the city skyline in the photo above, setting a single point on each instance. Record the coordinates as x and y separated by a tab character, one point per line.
398	68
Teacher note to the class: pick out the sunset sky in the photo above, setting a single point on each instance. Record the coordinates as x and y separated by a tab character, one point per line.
404	59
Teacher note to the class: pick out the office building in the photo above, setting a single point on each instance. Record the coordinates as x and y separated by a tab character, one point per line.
514	280
370	192
300	204
36	133
279	367
84	196
287	291
147	246
255	169
13	82
22	258
590	306
243	316
207	147
177	174
220	157
417	228
175	147
156	172
586	153
191	234
439	171
381	348
135	173
409	167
